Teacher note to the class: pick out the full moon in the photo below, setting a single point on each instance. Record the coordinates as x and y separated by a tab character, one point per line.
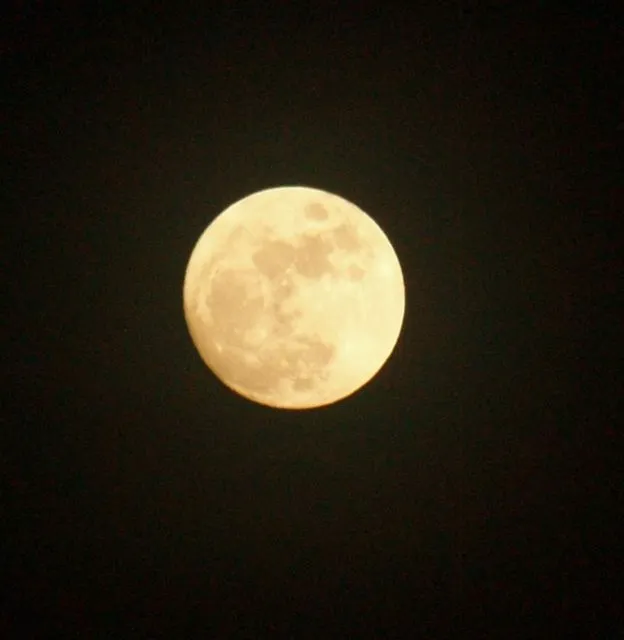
294	297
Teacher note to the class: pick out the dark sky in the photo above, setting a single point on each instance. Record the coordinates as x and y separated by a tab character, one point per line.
474	484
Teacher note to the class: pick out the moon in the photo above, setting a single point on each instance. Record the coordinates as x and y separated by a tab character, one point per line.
294	297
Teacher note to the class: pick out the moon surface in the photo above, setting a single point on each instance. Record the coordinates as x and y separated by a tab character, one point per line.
294	297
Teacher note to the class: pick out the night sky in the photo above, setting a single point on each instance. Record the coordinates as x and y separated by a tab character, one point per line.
472	488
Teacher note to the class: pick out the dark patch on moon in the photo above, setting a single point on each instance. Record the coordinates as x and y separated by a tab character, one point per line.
347	238
274	257
312	257
235	302
303	384
316	353
315	211
355	273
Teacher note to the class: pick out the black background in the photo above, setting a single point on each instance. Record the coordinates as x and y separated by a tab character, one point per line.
473	486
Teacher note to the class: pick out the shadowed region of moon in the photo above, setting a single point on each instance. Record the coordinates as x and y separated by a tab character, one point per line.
283	293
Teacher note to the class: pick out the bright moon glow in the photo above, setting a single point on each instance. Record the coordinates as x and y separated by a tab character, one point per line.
294	297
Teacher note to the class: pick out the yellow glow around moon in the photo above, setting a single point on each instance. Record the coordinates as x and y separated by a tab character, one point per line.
294	297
